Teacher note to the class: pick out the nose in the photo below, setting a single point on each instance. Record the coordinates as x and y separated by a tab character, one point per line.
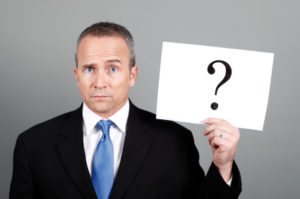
100	80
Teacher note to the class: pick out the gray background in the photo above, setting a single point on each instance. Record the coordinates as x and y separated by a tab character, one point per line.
37	57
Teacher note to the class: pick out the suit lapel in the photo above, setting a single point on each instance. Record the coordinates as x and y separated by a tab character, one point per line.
136	147
71	151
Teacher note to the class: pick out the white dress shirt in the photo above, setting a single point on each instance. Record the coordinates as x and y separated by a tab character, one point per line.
92	134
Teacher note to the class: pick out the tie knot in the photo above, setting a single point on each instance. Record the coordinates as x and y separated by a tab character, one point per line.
104	125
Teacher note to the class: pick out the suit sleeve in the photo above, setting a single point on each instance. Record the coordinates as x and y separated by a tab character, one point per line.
211	186
22	183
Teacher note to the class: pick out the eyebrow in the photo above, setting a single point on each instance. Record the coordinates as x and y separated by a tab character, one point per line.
108	61
113	61
88	65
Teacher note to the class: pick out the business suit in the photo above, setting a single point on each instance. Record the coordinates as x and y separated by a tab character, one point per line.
159	160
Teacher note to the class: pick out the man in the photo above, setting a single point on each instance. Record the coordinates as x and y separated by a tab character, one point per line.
137	156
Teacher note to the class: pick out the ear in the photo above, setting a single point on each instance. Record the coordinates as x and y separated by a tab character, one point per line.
133	75
75	70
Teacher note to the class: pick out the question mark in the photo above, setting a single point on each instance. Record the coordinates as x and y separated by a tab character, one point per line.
211	70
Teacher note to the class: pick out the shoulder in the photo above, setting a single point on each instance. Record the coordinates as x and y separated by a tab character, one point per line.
166	135
50	127
159	126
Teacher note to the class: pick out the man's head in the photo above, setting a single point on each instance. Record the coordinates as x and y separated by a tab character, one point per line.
105	68
106	29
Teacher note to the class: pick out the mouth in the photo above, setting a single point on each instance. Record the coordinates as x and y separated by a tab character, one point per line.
100	96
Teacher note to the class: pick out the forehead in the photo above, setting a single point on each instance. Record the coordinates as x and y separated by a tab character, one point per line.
102	47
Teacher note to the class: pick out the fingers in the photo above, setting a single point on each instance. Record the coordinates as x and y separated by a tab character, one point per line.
223	139
219	144
217	134
221	134
213	120
220	125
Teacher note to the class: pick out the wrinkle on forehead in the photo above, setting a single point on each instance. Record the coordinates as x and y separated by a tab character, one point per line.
103	48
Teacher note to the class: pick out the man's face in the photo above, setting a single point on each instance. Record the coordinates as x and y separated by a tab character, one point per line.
103	74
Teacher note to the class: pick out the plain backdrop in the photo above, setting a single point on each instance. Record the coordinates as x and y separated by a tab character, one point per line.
37	45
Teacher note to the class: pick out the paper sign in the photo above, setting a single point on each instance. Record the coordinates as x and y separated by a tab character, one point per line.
189	93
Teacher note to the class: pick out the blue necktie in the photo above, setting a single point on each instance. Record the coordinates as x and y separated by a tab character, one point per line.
103	164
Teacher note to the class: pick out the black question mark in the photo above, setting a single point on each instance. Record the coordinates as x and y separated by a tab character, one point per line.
211	70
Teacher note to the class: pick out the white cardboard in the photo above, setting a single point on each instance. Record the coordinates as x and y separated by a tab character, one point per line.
186	90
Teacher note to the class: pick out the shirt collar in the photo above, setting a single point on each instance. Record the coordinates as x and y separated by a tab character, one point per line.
90	118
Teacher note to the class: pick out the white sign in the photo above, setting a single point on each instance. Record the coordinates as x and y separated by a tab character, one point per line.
189	93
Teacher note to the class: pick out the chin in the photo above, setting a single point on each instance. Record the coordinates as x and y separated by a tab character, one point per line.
101	109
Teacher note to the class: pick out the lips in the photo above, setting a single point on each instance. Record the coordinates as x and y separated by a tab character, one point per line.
100	96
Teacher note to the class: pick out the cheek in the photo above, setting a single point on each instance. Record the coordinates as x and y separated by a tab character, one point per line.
122	86
84	85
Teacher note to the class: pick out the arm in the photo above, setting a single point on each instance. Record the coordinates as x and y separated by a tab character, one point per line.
223	139
211	186
22	183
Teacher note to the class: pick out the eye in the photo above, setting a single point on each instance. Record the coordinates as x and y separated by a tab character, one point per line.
89	69
113	69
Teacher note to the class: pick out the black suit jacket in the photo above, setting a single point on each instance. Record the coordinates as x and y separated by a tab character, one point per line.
159	160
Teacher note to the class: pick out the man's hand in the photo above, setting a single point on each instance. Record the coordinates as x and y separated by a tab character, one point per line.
223	139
